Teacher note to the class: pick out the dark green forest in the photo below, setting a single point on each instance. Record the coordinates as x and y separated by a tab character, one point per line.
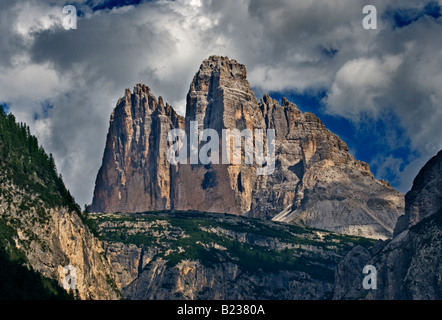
28	166
25	164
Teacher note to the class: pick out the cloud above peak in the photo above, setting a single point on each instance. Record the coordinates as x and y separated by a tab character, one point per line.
359	87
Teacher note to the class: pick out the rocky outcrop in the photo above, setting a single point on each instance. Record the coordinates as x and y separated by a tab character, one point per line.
323	186
53	238
410	265
425	198
195	255
135	175
219	98
191	280
314	180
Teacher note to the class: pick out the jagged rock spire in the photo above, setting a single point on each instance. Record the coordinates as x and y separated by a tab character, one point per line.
316	181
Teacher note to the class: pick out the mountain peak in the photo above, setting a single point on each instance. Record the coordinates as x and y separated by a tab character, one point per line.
220	71
135	173
313	182
141	88
220	63
215	60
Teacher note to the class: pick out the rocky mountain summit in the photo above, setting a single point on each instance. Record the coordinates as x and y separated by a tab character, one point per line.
409	266
135	174
315	180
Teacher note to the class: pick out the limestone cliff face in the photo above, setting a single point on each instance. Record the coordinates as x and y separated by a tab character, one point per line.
410	265
191	280
135	175
195	255
219	98
53	238
315	180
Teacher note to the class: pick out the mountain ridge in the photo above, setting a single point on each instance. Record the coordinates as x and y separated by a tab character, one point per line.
315	182
170	254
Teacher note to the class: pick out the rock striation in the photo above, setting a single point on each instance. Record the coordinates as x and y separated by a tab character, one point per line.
135	175
219	98
315	180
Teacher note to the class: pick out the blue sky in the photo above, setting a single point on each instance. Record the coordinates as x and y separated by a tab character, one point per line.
379	90
403	17
5	107
110	4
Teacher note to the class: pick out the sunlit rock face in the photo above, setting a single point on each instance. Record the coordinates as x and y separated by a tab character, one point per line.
315	181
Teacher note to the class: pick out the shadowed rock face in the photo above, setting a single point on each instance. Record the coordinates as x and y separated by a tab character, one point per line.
315	182
425	198
410	265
